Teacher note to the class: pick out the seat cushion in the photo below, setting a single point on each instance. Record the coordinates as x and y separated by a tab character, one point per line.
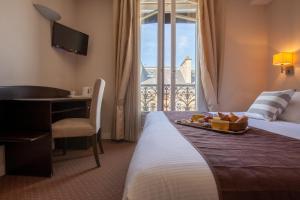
72	127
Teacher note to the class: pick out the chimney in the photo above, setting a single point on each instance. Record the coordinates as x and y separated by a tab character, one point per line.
186	70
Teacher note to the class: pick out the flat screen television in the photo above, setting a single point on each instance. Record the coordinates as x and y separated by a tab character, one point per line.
69	39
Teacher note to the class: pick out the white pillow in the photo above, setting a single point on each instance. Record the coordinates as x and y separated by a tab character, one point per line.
292	112
269	105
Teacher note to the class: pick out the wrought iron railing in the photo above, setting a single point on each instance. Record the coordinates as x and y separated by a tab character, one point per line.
185	97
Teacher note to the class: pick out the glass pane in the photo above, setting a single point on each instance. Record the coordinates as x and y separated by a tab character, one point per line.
186	43
182	81
149	48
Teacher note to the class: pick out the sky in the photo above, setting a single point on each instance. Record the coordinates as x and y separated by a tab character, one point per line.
185	43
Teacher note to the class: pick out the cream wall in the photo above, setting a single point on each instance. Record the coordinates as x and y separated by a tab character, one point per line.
243	71
284	35
26	55
27	58
95	18
253	35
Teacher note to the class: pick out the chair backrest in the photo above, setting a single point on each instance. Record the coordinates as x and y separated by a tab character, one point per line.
95	111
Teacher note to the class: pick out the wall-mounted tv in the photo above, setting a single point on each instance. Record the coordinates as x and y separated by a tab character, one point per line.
69	39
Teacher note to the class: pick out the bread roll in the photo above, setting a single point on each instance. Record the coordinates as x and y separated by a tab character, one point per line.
233	117
224	117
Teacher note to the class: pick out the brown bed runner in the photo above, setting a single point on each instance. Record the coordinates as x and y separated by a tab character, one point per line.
258	165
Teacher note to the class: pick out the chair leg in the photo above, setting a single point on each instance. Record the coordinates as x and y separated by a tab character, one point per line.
100	141
95	149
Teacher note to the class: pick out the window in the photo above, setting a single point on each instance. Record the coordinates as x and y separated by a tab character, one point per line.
168	55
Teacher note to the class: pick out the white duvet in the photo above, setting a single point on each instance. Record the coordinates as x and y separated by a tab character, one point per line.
167	167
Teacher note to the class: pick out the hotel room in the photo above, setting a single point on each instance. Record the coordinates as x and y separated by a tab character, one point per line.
149	99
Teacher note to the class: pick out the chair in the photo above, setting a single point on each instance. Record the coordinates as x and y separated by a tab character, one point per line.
81	127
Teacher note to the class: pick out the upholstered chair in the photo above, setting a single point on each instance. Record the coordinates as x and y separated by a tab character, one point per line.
81	127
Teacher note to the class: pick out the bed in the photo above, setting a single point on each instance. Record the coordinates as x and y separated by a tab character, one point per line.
167	166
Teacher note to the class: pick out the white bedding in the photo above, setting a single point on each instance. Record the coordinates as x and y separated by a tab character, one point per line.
165	166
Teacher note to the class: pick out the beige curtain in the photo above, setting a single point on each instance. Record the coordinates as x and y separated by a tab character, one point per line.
126	116
210	45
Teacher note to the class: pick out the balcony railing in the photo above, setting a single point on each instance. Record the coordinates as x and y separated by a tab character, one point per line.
185	97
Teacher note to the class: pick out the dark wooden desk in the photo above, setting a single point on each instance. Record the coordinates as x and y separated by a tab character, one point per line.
26	130
58	108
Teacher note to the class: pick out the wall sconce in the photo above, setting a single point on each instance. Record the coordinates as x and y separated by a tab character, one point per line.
285	61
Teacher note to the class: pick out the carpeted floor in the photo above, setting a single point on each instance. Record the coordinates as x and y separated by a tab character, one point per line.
75	177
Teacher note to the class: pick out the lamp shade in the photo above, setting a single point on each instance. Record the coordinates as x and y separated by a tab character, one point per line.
283	58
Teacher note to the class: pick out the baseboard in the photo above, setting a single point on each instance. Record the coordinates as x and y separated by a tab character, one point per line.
106	135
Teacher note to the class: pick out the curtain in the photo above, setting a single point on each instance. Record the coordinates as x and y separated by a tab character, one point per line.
210	49
126	114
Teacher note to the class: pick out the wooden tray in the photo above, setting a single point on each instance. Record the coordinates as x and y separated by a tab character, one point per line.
196	125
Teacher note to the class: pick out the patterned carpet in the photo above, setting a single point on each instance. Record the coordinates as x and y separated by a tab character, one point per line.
75	177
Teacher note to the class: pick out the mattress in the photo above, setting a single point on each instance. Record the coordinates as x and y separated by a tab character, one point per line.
166	166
